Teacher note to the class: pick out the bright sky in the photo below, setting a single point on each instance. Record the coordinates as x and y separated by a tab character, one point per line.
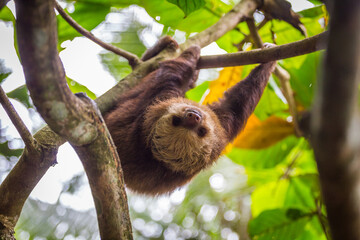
82	64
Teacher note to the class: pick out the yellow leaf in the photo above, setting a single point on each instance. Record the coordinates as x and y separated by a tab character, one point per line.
262	134
228	77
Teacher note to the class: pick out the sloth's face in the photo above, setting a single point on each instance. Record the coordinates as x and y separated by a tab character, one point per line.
183	137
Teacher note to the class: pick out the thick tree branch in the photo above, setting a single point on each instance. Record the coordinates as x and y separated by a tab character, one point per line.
305	46
241	11
132	58
44	73
16	120
23	178
71	117
103	168
335	123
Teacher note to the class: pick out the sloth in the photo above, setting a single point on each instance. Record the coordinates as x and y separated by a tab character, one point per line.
164	139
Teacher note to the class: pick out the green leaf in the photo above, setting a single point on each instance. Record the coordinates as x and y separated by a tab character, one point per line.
264	158
303	75
188	6
76	87
270	104
129	40
172	17
21	94
232	37
278	224
302	191
7	152
4	71
88	15
6	15
314	12
196	93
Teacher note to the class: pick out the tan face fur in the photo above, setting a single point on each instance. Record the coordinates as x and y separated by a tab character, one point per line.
182	148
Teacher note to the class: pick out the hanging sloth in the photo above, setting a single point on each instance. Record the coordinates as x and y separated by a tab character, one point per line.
163	139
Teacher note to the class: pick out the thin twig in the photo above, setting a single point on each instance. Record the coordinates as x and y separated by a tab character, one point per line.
282	74
240	12
247	37
254	34
132	58
16	120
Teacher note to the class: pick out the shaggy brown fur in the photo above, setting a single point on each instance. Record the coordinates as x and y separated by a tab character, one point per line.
163	139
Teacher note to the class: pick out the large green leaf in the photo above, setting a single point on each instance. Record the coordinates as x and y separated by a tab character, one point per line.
188	6
127	39
264	158
171	16
88	15
294	192
303	191
303	72
278	224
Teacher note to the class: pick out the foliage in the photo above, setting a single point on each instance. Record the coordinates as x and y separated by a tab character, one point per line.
269	164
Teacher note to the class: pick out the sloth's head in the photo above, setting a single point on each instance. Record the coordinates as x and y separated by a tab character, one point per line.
184	135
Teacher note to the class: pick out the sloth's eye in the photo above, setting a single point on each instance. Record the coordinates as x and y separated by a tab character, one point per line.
176	121
202	132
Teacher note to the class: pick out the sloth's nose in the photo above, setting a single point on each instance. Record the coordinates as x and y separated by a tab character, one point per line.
192	118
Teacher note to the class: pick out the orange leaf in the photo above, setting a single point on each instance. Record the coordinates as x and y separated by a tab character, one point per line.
262	134
228	77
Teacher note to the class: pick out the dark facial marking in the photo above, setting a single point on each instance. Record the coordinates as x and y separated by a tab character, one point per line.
202	132
176	121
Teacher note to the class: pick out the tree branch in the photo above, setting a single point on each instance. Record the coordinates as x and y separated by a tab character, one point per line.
244	9
132	58
247	37
71	117
16	120
44	72
305	46
23	178
103	168
335	123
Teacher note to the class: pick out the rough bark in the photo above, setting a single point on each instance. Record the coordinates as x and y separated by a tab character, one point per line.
335	123
71	117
